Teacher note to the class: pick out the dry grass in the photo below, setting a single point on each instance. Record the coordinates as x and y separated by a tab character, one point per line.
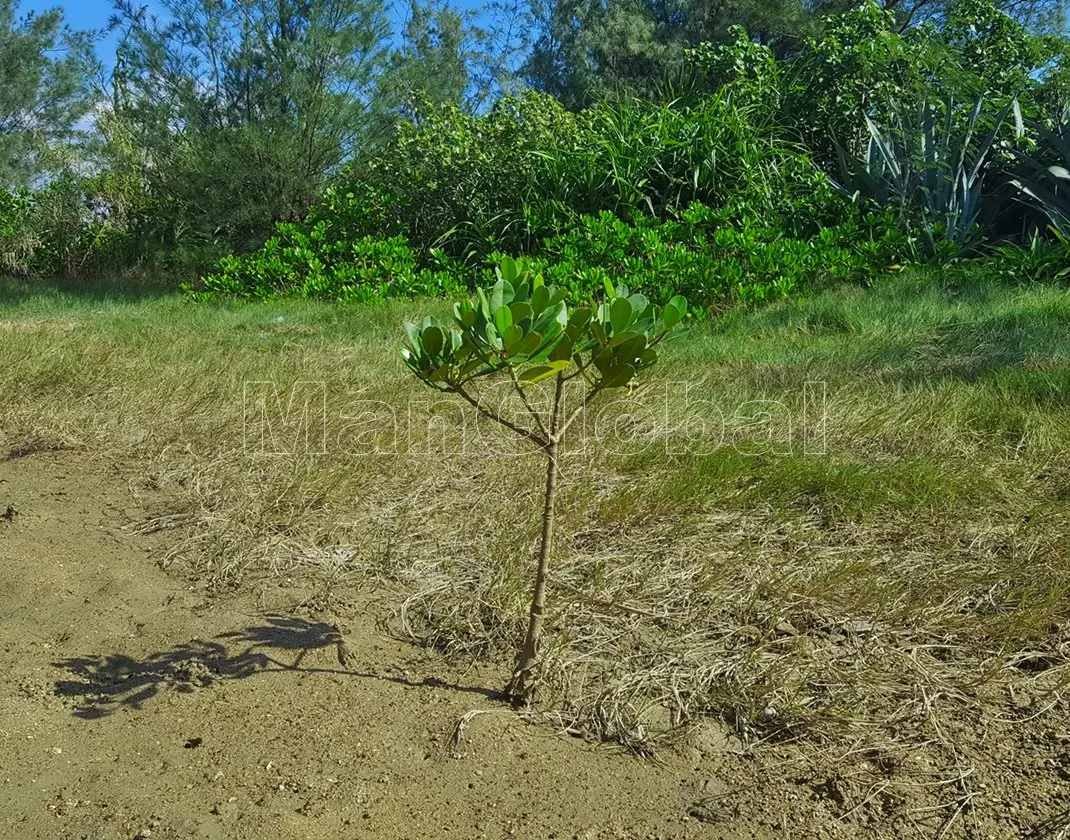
866	596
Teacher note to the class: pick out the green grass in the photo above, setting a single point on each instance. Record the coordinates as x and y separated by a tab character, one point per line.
926	505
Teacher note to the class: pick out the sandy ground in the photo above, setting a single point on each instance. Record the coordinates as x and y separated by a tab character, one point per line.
133	705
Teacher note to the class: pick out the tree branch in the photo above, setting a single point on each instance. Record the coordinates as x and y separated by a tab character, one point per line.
497	418
527	403
560	432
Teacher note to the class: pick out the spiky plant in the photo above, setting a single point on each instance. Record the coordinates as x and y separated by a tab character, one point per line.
929	170
1047	185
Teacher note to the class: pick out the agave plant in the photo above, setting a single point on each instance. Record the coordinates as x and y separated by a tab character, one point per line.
929	170
1048	186
524	331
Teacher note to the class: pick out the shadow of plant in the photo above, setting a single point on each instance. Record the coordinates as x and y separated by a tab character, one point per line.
107	683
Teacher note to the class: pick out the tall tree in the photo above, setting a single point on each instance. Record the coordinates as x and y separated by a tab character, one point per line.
44	92
433	63
586	48
1048	14
241	109
451	56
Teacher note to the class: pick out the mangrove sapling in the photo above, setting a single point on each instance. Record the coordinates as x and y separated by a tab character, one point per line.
524	332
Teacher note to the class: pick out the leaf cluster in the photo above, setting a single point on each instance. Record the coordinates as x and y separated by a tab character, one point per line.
527	328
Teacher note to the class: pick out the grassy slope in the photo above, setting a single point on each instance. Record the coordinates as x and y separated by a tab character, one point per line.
726	548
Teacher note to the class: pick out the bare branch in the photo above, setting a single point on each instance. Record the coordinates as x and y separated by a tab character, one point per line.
560	432
542	443
527	403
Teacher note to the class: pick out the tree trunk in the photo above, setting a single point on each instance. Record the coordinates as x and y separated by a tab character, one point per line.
520	686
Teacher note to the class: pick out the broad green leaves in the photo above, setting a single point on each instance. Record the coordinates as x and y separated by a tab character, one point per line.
525	327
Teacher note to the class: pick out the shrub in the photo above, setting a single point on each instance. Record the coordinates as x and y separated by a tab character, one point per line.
525	171
929	172
1044	179
524	332
78	226
313	263
712	258
18	238
1039	261
454	181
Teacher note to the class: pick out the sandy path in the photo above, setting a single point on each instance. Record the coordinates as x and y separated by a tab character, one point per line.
134	706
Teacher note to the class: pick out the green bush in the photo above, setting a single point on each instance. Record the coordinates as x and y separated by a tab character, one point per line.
19	238
931	174
864	65
504	181
78	226
455	182
452	190
314	263
709	254
712	258
1038	261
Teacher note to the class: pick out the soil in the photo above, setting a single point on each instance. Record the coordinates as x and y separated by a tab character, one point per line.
135	704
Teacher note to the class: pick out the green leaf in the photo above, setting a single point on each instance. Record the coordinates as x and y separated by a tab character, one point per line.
562	351
499	295
603	360
632	347
626	336
540	372
520	311
540	298
675	310
639	303
512	334
551	316
503	319
439	374
527	345
507	270
467	318
433	340
618	376
620	314
579	318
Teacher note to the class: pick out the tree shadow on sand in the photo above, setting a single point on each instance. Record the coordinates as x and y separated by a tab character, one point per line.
106	683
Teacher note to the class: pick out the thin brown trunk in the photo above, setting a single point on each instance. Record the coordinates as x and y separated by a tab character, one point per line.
520	686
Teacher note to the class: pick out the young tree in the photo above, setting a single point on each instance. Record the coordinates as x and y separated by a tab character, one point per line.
524	332
243	108
44	94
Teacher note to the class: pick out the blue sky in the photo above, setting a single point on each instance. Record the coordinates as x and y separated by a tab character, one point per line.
81	14
94	14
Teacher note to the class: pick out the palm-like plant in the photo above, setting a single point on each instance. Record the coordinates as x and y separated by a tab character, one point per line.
1047	186
929	170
